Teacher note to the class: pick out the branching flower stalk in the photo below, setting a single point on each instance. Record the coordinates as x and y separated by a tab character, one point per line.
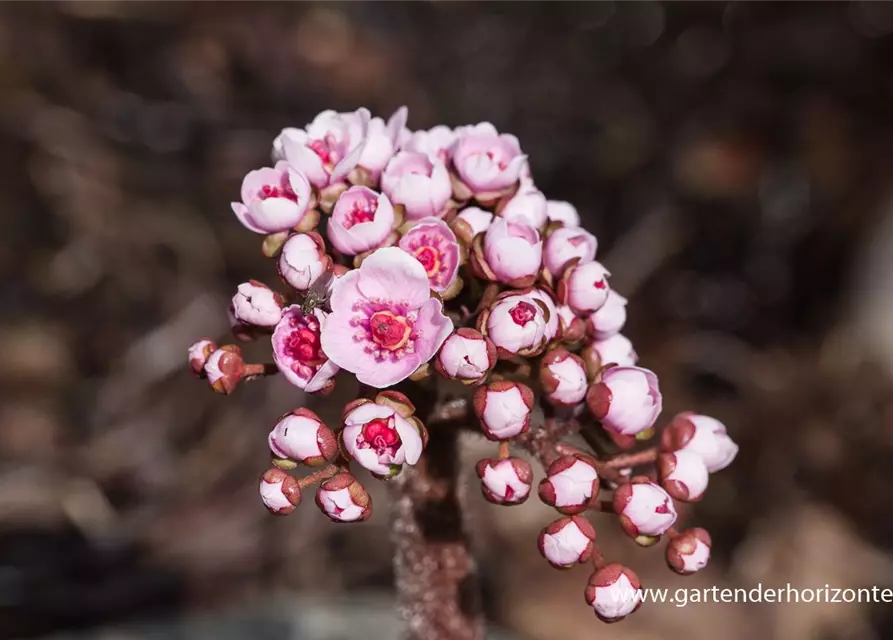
428	266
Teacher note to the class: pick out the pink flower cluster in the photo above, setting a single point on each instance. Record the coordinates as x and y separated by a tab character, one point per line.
410	257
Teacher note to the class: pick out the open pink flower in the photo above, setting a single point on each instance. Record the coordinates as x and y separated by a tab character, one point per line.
298	353
528	205
509	252
435	143
361	221
382	140
382	436
487	162
273	199
565	244
420	184
434	245
384	323
328	149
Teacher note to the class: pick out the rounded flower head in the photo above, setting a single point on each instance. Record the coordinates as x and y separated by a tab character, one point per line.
273	199
689	551
627	401
562	212
517	325
466	356
571	484
487	163
505	482
256	304
381	142
328	149
609	319
566	244
509	252
584	287
614	592
381	437
702	435
470	222
418	183
225	368
303	260
503	408
298	353
279	491
528	205
435	143
616	349
563	376
434	245
644	508
361	221
301	436
199	353
567	541
683	474
384	323
343	499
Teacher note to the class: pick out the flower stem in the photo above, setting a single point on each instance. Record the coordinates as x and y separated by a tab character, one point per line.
503	450
256	370
317	476
625	460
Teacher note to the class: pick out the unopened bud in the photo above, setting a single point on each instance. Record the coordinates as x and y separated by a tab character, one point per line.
279	491
567	541
614	592
505	482
225	368
689	551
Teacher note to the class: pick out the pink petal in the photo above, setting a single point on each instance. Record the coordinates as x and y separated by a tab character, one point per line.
392	274
435	328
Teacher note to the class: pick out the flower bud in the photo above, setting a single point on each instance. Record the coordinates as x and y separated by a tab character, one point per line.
571	484
279	491
683	474
417	182
627	400
487	163
434	143
303	260
584	287
553	322
466	356
503	408
616	349
381	436
567	541
225	368
562	212
528	205
517	324
256	304
565	245
609	319
644	508
470	222
301	436
689	551
362	220
572	326
199	353
703	435
505	482
343	499
509	252
614	592
563	376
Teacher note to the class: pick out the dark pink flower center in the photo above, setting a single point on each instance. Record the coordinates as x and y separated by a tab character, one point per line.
430	259
300	344
436	251
522	313
509	493
362	211
663	508
282	190
327	150
500	162
303	345
600	284
389	330
380	434
576	241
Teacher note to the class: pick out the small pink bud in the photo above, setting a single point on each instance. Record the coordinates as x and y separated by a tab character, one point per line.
562	212
279	491
301	436
573	327
609	319
382	440
703	435
517	324
571	484
584	287
644	508
567	541
361	221
199	353
566	244
505	482
466	356
563	376
417	182
225	368
303	260
256	304
528	205
435	143
614	592
683	474
511	252
616	349
627	401
503	408
470	222
689	551
343	499
487	163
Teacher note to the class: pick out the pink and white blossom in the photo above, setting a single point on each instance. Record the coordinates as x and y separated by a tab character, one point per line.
343	499
510	252
487	162
198	354
467	356
436	143
564	379
517	324
566	244
567	541
683	474
256	304
434	245
614	592
689	552
627	400
616	349
571	484
421	185
279	492
301	436
644	508
506	481
608	320
470	222
380	438
504	409
562	212
382	142
384	323
702	435
273	199
528	205
362	220
224	368
303	260
584	287
297	350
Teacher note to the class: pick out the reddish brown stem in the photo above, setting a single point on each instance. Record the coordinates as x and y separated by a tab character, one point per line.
598	558
544	443
317	476
257	370
503	450
606	506
626	460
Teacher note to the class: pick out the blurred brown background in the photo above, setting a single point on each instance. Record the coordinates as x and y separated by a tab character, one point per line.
734	160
